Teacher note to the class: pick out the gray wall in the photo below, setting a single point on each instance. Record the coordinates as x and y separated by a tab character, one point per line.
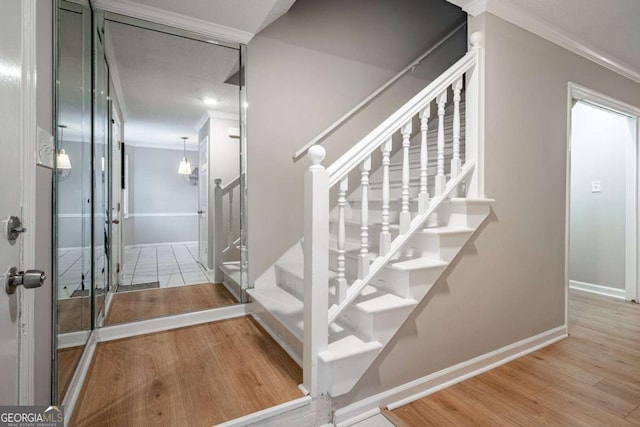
508	282
597	220
156	188
305	71
44	214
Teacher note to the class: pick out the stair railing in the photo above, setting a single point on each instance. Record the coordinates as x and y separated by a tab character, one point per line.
224	239
318	182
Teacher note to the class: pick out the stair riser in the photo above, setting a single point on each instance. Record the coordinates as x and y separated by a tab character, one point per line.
465	214
407	284
342	374
444	247
380	326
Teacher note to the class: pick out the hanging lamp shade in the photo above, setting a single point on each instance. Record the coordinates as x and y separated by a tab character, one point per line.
185	167
62	160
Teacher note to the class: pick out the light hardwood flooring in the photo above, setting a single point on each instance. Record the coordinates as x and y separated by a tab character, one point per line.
195	376
150	303
591	378
67	361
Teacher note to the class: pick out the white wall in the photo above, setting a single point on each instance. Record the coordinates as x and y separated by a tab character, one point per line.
597	220
162	207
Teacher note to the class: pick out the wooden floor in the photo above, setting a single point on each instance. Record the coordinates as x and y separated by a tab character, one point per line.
196	376
74	314
150	303
67	361
591	378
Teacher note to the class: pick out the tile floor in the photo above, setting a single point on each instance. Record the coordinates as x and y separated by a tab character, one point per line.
169	264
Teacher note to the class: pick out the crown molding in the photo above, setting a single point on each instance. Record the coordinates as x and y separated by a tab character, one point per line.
510	12
160	145
176	20
221	115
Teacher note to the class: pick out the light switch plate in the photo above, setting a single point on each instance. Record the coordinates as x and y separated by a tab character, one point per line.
596	186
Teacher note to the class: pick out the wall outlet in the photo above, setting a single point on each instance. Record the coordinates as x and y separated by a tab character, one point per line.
596	186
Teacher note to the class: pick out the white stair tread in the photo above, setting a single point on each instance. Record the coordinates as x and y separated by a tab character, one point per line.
374	300
447	230
296	268
347	347
418	264
468	200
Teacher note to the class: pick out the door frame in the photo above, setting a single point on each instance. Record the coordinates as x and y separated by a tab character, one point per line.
26	332
577	92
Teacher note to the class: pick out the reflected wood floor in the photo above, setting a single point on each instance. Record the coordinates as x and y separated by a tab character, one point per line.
67	361
150	303
195	376
591	378
74	314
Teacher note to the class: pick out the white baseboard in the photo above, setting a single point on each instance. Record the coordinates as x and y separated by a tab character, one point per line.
147	245
77	380
73	339
417	389
160	324
597	289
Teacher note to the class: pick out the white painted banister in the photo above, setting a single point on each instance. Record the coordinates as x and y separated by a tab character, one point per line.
335	125
405	215
363	258
341	280
441	100
316	271
423	195
455	160
385	235
223	238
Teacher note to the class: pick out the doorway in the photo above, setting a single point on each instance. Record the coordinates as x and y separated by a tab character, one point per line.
602	227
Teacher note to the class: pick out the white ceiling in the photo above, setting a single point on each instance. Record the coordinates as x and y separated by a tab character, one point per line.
163	80
609	29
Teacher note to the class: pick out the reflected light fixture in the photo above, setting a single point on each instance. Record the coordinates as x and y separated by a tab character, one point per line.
185	166
62	158
209	101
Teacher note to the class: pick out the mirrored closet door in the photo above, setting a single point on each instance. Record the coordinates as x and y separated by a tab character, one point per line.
151	189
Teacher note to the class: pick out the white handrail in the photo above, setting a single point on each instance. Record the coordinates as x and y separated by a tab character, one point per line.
360	151
335	125
231	184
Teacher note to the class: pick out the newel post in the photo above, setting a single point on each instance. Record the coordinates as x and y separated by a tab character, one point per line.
316	271
218	234
474	116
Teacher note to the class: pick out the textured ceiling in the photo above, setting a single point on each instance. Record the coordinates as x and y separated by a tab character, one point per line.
164	78
246	15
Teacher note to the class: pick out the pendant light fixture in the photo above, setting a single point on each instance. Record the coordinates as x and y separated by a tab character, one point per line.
62	158
185	166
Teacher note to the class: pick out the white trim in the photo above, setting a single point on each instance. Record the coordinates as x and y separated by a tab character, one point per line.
514	14
224	116
632	261
201	123
597	289
148	245
417	389
261	416
73	215
161	145
167	323
26	323
73	339
73	390
172	19
161	214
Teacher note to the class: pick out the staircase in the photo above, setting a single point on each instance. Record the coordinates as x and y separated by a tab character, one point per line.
375	253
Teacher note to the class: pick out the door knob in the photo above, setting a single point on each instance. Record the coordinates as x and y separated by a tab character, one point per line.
115	221
200	212
29	279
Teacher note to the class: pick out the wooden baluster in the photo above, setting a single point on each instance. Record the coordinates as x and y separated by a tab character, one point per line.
423	196
341	279
456	164
363	258
230	220
218	236
441	180
405	214
385	235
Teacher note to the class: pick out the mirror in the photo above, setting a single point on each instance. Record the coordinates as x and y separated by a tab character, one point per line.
150	191
73	188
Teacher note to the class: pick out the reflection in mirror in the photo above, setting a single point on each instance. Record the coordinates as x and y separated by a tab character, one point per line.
73	189
173	225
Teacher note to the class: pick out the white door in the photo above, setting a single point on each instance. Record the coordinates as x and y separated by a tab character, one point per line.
203	203
10	192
